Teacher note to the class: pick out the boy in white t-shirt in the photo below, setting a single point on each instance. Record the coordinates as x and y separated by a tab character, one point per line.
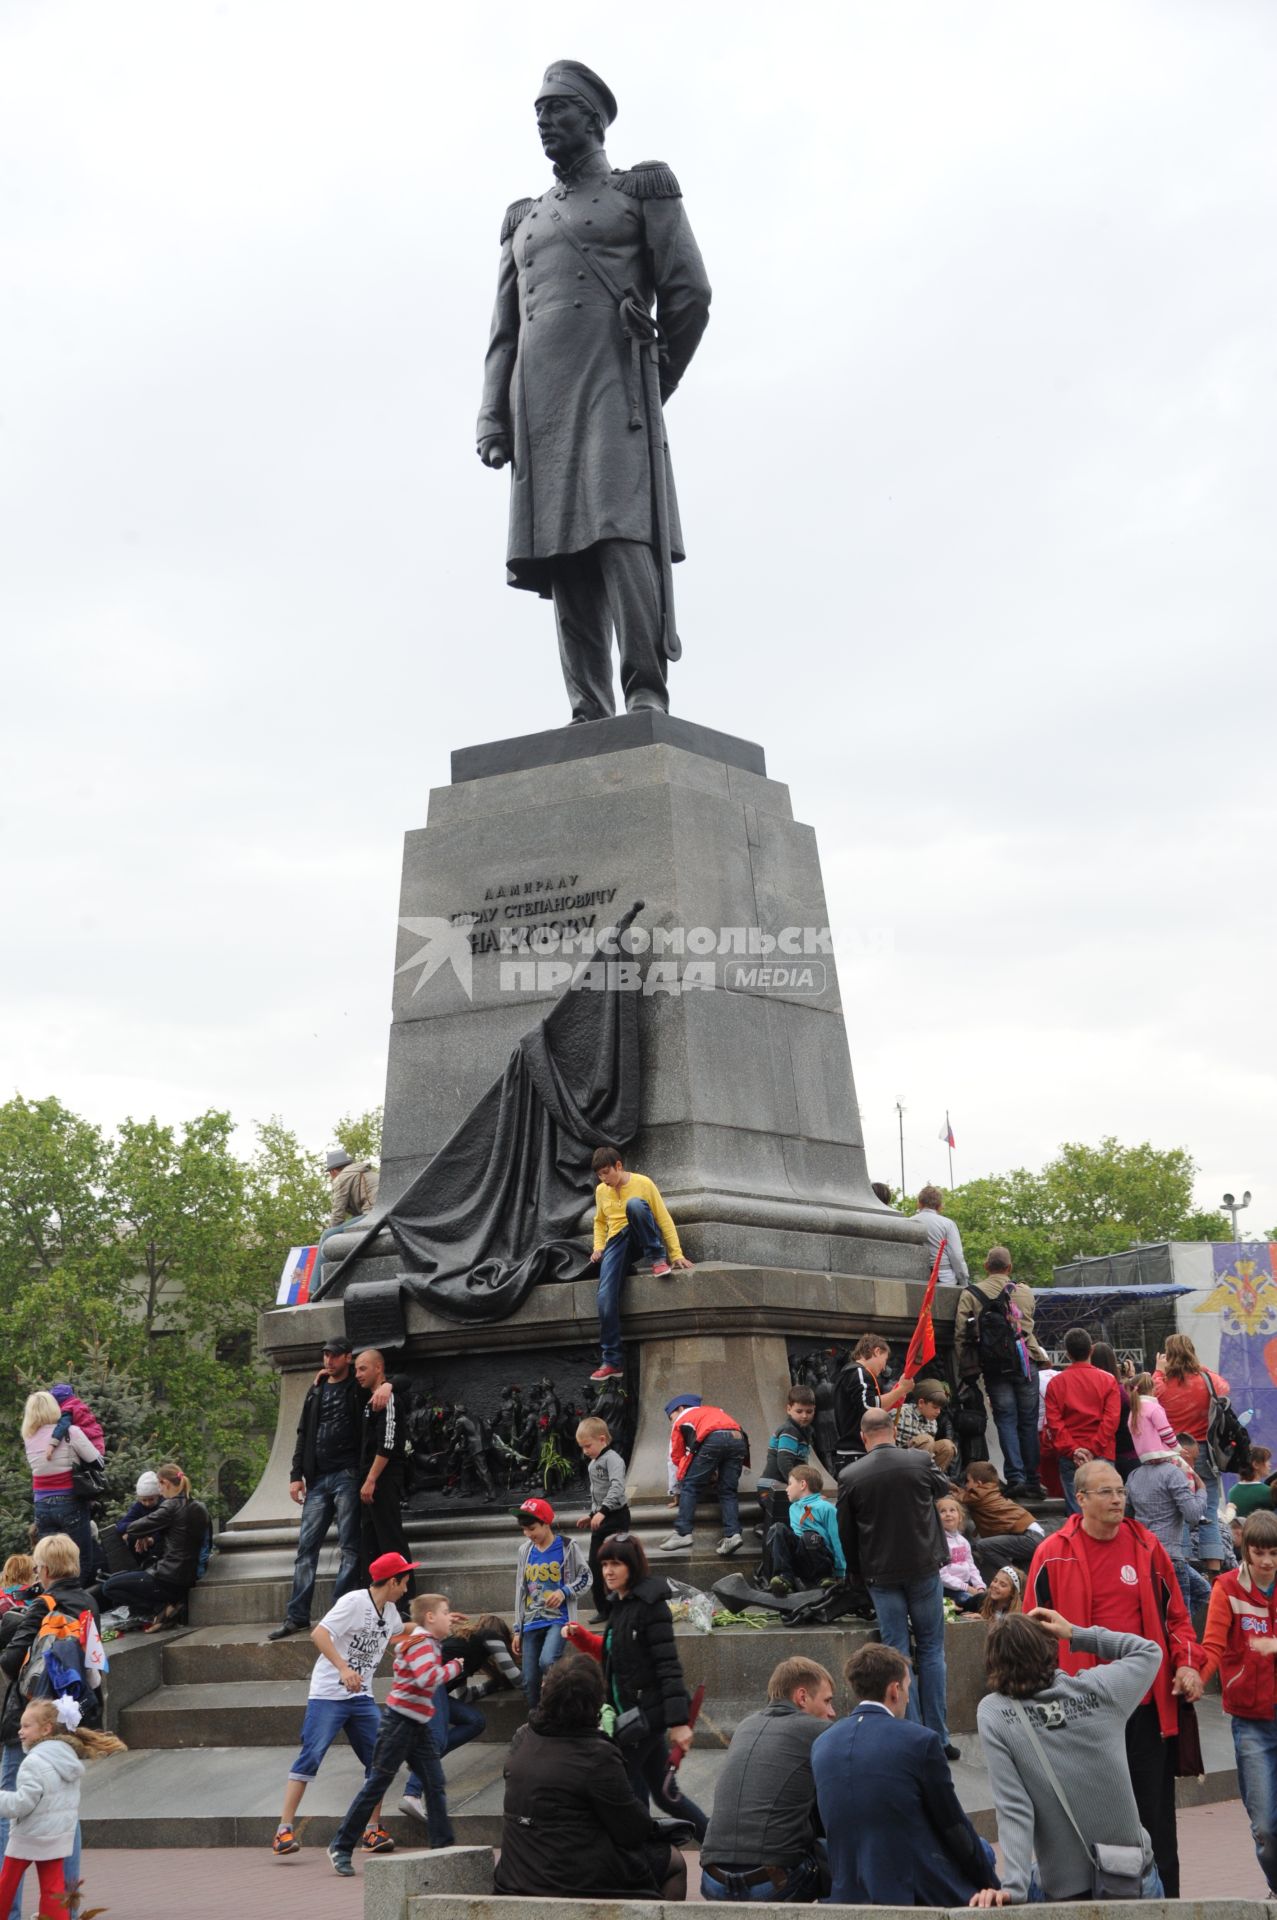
351	1639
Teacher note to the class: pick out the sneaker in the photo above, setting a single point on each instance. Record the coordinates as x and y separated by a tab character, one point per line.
283	1633
660	1268
598	1619
377	1840
780	1586
606	1372
730	1543
1033	1490
285	1841
952	1753
830	1581
675	1543
341	1863
413	1807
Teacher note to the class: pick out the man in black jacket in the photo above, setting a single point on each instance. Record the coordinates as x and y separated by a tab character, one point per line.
324	1481
894	1543
383	1462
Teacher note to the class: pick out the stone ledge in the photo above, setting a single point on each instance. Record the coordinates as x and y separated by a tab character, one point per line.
392	1880
618	735
480	1906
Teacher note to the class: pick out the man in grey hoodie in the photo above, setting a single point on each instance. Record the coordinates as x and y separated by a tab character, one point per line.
1080	1721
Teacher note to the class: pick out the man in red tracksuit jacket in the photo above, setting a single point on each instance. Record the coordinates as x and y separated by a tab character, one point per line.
1083	1407
705	1441
1105	1570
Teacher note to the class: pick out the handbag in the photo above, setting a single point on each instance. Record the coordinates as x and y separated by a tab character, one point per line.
88	1480
631	1728
1117	1873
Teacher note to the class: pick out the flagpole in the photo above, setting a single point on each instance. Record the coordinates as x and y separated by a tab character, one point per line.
900	1111
949	1138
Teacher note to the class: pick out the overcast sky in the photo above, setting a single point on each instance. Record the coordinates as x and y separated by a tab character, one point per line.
976	467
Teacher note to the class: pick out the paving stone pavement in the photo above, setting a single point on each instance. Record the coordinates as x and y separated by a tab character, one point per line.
207	1883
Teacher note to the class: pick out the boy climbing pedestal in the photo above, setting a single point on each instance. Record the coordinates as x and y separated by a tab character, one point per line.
630	1220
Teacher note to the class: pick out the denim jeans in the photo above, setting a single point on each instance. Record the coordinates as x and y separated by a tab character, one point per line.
540	1649
918	1604
11	1758
722	1454
63	1513
807	1881
1066	1468
455	1722
620	1257
357	1716
330	1495
1015	1415
400	1739
346	1226
1255	1745
1194	1586
1209	1544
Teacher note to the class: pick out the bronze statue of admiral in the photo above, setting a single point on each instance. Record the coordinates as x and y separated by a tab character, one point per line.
577	371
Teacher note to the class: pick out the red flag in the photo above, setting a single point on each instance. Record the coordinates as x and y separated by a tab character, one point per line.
922	1347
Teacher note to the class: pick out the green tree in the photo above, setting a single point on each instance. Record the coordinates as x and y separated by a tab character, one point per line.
360	1134
53	1210
1088	1200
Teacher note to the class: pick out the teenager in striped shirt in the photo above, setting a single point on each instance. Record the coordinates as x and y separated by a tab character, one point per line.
405	1735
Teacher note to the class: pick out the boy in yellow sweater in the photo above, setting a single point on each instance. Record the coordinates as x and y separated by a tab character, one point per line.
630	1218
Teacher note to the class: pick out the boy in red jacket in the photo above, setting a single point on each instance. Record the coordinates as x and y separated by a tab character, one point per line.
1082	1411
1241	1643
405	1735
705	1441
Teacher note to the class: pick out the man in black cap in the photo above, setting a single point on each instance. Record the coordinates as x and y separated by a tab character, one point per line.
574	384
325	1482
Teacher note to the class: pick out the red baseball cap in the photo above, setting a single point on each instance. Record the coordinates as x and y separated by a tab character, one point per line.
535	1510
387	1566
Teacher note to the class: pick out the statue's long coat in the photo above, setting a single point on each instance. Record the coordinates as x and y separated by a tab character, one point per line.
558	379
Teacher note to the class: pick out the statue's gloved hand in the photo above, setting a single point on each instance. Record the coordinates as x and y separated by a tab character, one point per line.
494	451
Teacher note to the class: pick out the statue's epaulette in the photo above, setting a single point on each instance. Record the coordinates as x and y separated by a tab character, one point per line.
513	214
649	180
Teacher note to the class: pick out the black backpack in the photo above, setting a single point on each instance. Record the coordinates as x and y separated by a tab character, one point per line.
996	1338
1227	1440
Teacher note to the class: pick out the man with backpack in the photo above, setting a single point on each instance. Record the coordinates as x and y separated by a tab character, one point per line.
994	1335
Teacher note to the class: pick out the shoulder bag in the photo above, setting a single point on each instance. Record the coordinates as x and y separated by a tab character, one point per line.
1117	1873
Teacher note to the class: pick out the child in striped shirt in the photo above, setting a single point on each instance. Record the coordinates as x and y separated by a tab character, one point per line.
405	1734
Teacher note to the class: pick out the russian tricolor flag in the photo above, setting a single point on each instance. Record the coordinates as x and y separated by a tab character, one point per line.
294	1281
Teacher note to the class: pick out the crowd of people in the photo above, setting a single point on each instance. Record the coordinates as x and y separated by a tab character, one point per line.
1093	1663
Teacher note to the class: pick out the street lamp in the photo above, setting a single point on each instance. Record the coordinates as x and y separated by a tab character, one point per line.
1235	1206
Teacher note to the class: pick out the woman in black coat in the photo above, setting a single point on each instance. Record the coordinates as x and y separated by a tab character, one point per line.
642	1676
571	1824
178	1527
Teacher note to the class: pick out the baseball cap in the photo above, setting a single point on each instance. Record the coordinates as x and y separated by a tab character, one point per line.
388	1565
148	1486
338	1344
682	1400
535	1510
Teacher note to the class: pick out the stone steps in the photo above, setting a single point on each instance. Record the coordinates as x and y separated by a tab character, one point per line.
246	1691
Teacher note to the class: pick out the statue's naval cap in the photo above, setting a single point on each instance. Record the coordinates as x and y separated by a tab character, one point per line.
570	77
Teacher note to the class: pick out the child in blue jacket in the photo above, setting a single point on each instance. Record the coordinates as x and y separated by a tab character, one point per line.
805	1552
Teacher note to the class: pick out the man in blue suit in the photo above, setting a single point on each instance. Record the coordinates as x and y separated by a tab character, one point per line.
896	1833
